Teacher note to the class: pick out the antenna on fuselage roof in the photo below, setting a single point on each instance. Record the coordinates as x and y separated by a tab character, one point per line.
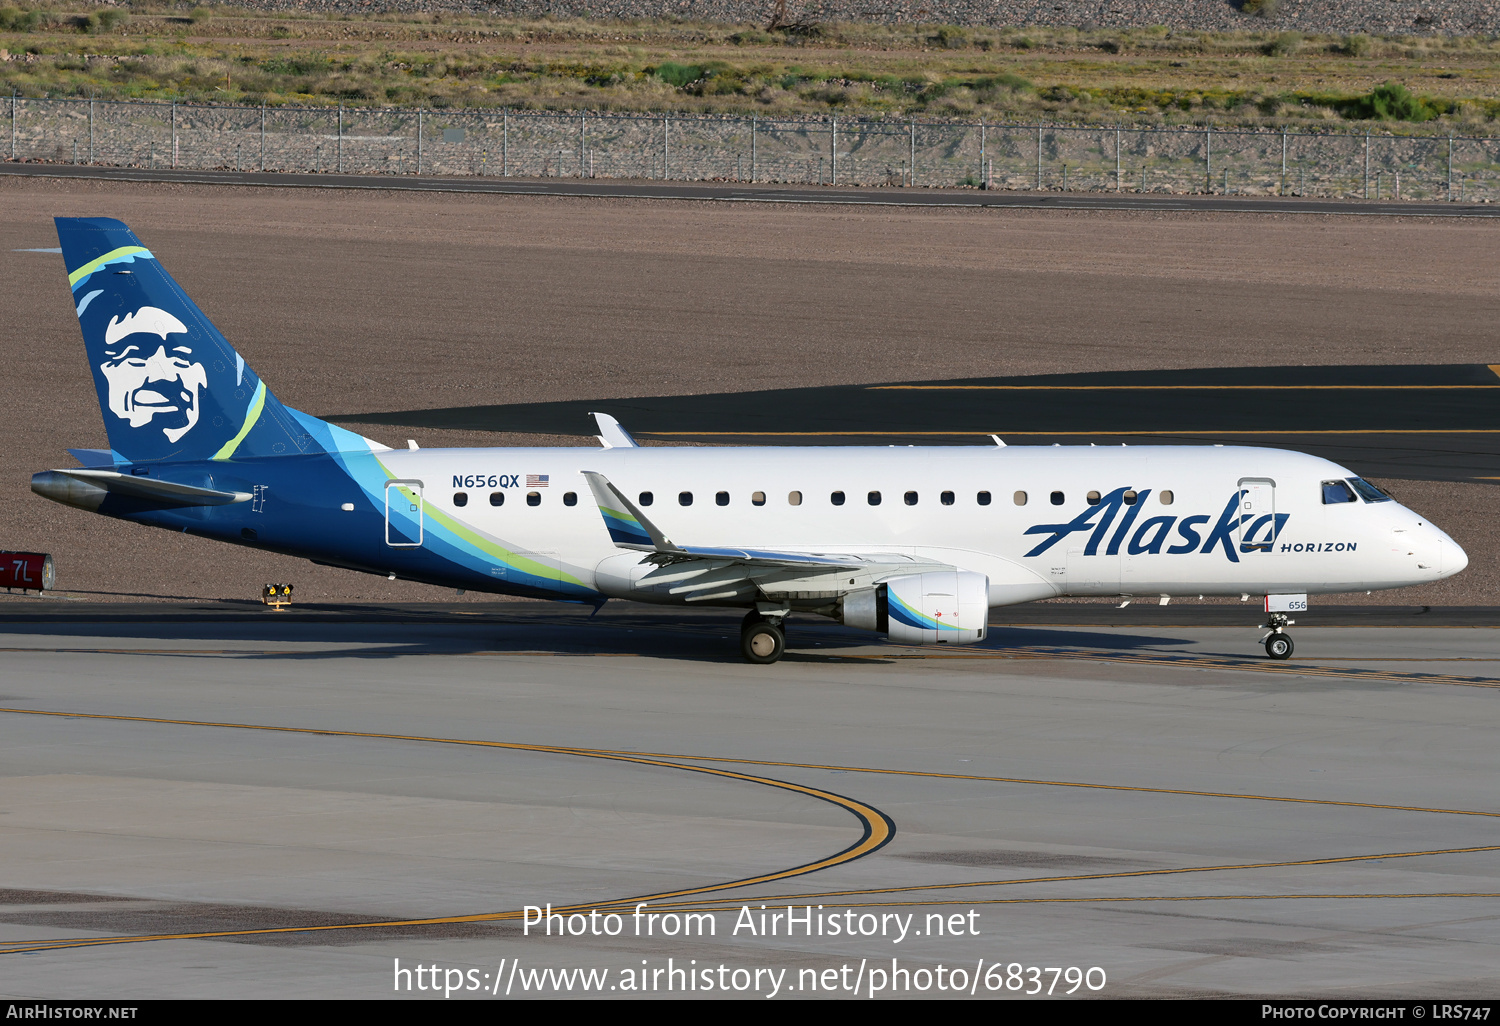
611	434
999	442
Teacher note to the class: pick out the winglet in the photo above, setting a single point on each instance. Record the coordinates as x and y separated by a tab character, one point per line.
611	434
628	526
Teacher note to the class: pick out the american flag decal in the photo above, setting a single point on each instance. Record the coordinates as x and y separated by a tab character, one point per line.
536	480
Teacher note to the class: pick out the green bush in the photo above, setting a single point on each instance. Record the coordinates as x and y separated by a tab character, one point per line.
1358	46
1260	8
679	75
1284	45
1390	101
752	37
200	14
950	37
14	20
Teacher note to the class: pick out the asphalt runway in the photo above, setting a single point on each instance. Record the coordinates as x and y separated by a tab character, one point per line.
742	192
1425	423
217	802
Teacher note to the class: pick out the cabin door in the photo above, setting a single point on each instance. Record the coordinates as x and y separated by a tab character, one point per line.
404	514
1257	527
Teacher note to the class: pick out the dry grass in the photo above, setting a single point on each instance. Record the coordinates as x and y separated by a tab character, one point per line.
1145	76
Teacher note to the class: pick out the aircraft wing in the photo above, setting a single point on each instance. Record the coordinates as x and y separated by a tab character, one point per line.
701	573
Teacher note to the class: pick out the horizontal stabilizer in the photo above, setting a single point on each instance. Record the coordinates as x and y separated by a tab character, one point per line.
97	457
87	489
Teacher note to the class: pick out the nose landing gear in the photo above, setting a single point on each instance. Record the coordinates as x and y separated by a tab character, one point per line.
1278	642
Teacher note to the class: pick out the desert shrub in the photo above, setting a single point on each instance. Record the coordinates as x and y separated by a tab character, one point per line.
1358	46
1284	45
199	14
15	20
1390	101
752	37
679	75
1260	8
951	37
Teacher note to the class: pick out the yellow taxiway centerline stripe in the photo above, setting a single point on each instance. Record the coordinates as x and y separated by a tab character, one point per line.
872	819
1065	434
1169	388
1118	898
878	829
1074	783
1120	875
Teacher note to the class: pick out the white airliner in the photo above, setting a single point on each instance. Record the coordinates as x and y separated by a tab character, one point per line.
919	544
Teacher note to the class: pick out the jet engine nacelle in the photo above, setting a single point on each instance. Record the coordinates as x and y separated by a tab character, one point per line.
923	609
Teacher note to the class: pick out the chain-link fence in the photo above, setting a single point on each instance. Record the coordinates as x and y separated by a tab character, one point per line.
828	152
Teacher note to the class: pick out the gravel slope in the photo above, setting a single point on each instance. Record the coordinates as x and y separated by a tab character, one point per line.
1376	17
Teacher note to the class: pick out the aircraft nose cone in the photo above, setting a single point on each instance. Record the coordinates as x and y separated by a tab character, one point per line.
1454	558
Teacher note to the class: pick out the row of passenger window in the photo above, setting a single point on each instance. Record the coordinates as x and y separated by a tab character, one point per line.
498	498
835	498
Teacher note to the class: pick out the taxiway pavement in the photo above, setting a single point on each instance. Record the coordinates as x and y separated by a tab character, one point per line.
1145	796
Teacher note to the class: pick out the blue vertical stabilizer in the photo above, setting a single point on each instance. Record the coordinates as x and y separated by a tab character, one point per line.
171	387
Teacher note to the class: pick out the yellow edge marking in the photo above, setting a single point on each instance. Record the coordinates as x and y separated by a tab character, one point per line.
1164	388
1057	783
1127	874
1495	369
878	829
110	257
1069	434
257	404
1116	898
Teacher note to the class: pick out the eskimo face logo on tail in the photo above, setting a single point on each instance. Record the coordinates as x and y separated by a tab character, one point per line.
153	381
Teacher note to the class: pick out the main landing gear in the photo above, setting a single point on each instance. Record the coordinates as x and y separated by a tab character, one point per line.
762	639
1278	642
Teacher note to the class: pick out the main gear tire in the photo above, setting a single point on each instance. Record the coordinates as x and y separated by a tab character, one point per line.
762	643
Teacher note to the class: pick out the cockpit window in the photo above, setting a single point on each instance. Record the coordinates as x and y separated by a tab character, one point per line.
1367	491
1336	492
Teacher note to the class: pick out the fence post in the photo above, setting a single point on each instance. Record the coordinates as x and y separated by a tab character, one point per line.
983	182
341	138
833	151
13	109
754	123
1038	158
1117	163
583	144
913	153
665	152
1367	165
1450	167
262	135
174	135
1283	161
1208	159
419	142
505	143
